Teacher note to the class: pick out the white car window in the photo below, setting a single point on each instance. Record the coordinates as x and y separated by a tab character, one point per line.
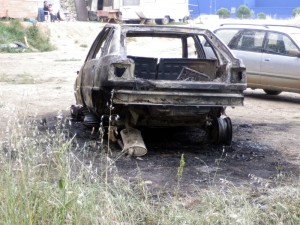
289	45
275	43
208	49
279	44
249	40
226	35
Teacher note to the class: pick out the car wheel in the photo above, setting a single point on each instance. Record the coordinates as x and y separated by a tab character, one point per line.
220	132
91	120
77	112
270	92
185	19
165	20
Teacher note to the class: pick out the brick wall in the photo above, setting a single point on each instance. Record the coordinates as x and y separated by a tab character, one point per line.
20	9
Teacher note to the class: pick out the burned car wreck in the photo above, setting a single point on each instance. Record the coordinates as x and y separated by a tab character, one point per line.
160	76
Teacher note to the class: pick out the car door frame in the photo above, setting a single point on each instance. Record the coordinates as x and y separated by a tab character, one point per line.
85	78
253	76
279	82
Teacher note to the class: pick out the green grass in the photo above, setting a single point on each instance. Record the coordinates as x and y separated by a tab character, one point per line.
66	60
14	31
26	78
43	181
83	45
18	79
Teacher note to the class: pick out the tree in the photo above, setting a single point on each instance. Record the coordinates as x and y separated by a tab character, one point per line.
296	12
243	12
261	16
223	13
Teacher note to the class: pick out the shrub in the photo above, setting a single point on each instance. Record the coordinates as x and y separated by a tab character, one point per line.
10	32
296	12
243	12
14	31
261	16
37	39
223	13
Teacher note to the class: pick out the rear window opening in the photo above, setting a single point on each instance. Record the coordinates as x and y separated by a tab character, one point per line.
170	58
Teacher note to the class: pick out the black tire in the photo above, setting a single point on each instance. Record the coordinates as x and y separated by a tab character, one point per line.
165	20
185	19
91	120
270	92
220	132
77	112
213	132
228	140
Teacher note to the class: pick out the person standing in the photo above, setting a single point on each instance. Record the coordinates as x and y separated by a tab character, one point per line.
53	16
46	11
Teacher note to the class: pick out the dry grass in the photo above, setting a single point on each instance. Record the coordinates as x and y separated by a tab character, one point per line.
18	79
43	182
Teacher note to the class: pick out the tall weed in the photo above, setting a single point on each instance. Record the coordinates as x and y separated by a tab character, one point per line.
14	31
43	181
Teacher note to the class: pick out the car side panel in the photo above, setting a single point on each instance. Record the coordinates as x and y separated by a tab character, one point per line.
252	61
246	45
87	81
280	72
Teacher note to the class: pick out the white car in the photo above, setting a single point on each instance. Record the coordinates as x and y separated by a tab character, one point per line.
271	54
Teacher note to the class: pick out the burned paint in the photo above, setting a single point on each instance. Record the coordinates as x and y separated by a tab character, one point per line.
150	67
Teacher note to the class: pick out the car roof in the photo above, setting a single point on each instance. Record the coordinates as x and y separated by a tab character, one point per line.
160	29
268	27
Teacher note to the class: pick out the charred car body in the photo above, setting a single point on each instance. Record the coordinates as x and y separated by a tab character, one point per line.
160	76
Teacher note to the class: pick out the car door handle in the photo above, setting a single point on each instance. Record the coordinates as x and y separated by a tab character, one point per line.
267	60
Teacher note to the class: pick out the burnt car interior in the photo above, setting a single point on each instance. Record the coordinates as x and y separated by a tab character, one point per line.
174	69
189	62
143	76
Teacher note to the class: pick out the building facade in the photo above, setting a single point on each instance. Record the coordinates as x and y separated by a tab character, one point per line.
277	9
21	9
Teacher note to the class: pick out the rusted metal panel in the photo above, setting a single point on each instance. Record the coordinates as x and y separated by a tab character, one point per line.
176	98
156	90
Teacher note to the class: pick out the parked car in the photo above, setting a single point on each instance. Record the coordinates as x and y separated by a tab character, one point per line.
159	76
271	54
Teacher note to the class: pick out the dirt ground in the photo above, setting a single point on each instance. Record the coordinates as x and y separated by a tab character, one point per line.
265	149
